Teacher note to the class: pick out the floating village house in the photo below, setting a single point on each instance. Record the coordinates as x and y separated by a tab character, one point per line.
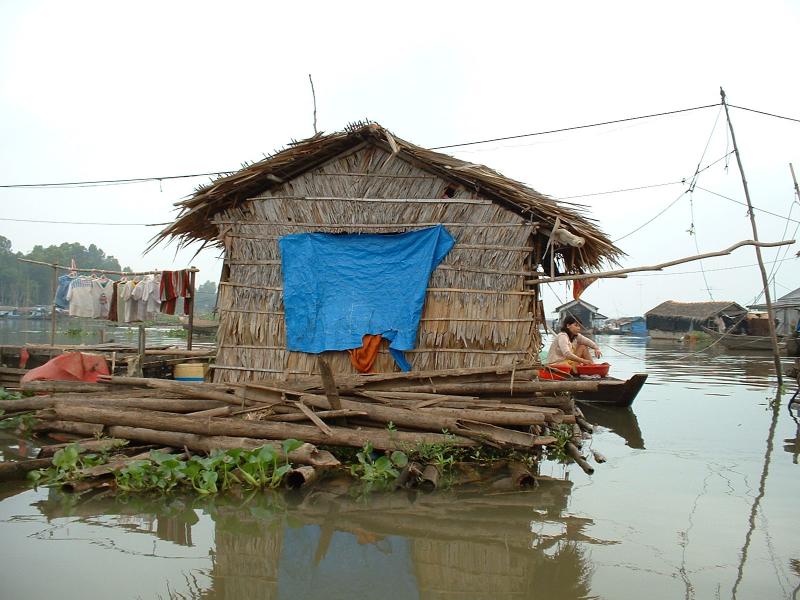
787	313
632	325
441	286
585	312
673	320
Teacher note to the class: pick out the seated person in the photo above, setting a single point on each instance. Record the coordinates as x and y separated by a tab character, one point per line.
570	348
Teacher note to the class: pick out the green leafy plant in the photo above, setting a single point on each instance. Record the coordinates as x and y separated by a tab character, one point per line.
68	463
444	455
557	451
6	395
380	469
22	423
263	467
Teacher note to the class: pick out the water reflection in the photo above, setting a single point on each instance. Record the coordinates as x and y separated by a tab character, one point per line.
620	421
326	543
708	510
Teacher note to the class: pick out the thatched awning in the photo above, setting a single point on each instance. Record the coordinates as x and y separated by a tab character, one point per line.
696	311
194	222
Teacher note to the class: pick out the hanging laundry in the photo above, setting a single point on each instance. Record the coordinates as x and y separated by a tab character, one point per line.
61	291
102	290
174	285
113	312
81	298
146	299
129	303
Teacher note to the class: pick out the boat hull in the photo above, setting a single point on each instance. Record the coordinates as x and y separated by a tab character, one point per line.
614	392
731	341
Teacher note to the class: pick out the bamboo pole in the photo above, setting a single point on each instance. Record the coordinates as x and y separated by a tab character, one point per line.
380	438
54	286
142	345
661	266
764	280
104	271
191	309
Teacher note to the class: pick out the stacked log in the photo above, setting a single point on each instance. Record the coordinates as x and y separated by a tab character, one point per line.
502	407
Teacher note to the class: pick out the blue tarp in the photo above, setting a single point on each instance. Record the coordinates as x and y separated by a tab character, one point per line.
338	288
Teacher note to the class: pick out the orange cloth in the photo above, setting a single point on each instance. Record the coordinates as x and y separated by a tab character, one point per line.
363	358
70	366
24	356
579	285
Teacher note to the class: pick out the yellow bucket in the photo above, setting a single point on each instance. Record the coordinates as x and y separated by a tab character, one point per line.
190	372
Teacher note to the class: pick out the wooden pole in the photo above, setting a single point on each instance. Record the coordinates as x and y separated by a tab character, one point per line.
659	267
191	310
104	271
142	347
54	287
764	279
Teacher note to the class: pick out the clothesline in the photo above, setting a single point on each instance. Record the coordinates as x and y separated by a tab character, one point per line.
103	271
185	287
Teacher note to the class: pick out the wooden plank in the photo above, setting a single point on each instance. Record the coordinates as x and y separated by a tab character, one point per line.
314	418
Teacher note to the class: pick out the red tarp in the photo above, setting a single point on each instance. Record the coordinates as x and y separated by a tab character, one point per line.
70	366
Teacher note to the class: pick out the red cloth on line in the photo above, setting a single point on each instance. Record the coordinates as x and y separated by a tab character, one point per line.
174	285
579	285
24	356
364	358
70	366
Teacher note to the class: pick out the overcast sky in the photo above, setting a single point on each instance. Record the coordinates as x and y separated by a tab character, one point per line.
105	90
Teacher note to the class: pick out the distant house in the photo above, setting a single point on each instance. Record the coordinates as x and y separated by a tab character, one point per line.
632	326
587	313
787	313
673	320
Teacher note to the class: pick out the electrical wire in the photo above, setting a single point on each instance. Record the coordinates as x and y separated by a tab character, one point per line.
133	180
573	128
473	143
658	214
692	229
761	112
765	211
665	209
632	189
101	182
84	222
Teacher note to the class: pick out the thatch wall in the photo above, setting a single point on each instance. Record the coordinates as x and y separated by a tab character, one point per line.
245	562
372	191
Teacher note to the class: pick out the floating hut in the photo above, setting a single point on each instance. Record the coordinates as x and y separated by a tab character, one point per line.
787	313
585	312
673	320
477	309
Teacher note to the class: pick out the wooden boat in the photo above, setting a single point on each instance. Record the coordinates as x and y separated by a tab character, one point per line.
731	341
614	392
202	326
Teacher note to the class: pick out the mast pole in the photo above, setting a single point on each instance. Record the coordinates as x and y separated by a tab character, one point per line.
764	279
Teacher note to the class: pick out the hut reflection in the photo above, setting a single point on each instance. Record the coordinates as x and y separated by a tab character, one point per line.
475	543
330	542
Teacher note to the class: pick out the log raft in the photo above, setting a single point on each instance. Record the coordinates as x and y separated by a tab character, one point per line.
502	408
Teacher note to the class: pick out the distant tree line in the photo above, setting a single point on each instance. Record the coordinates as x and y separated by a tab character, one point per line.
24	284
206	299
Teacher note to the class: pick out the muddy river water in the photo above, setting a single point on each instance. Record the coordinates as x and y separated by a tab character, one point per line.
699	498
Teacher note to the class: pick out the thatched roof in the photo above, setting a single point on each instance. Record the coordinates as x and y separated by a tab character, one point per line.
194	223
694	310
